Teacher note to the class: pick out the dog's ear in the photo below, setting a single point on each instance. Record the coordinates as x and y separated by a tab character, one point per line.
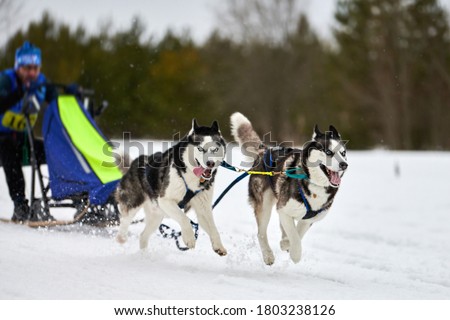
334	133
316	133
215	126
194	125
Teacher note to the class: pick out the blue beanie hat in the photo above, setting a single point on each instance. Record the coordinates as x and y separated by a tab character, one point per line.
27	54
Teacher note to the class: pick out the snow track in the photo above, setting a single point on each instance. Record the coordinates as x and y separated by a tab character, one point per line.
386	237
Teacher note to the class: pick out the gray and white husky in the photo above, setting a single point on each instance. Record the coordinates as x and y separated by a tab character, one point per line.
301	199
163	183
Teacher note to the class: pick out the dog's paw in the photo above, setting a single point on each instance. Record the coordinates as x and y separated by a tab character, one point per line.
121	238
268	257
143	243
284	245
189	241
188	237
221	251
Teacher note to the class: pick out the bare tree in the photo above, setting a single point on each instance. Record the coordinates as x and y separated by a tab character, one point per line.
278	49
267	21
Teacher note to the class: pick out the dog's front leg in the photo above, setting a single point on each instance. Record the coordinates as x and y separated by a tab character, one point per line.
302	227
288	224
171	208
202	206
284	243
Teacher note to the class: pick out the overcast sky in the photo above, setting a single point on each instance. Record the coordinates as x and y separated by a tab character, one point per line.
159	15
199	16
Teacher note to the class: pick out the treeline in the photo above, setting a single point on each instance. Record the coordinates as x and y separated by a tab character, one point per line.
383	81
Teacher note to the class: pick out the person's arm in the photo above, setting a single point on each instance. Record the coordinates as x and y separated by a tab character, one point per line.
8	98
51	92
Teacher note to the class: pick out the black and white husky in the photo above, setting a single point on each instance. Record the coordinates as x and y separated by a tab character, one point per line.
163	183
303	197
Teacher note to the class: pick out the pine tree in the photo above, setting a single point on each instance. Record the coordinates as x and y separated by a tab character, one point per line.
385	49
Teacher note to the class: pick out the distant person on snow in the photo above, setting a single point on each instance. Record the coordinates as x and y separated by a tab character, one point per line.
22	90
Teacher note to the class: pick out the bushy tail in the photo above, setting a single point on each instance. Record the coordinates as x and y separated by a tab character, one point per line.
243	132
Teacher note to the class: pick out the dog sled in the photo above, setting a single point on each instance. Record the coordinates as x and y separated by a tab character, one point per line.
82	175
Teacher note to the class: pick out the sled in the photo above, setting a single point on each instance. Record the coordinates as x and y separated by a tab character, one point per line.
79	159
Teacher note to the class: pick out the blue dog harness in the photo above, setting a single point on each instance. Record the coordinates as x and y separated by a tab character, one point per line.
309	212
267	158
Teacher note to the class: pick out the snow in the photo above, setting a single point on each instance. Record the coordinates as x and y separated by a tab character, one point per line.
386	237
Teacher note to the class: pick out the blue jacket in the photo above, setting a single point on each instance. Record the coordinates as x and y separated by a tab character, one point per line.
11	94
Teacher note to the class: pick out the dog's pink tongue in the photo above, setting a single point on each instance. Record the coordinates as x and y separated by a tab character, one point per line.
335	178
198	171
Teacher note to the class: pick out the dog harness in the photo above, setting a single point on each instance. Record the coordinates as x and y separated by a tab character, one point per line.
188	195
267	159
309	212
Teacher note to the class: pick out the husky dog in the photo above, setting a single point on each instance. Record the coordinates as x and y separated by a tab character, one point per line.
181	177
302	197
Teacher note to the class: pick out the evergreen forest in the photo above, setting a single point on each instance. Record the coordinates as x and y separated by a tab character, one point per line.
383	79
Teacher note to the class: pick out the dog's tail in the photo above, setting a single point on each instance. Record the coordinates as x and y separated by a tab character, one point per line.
243	132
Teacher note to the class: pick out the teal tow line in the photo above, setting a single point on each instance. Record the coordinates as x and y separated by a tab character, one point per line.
300	176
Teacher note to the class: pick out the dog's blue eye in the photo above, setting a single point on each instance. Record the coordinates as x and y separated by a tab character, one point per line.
200	149
215	150
329	153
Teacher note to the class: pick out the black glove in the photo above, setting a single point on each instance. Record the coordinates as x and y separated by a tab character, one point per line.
36	88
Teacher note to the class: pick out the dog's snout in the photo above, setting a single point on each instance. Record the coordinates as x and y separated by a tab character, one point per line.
210	164
343	165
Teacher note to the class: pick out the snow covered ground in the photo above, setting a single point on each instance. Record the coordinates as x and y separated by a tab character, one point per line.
386	237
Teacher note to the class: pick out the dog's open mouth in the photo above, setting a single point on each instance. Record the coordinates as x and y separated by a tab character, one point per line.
204	173
333	176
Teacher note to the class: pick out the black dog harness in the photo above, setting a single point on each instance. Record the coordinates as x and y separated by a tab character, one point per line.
188	195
